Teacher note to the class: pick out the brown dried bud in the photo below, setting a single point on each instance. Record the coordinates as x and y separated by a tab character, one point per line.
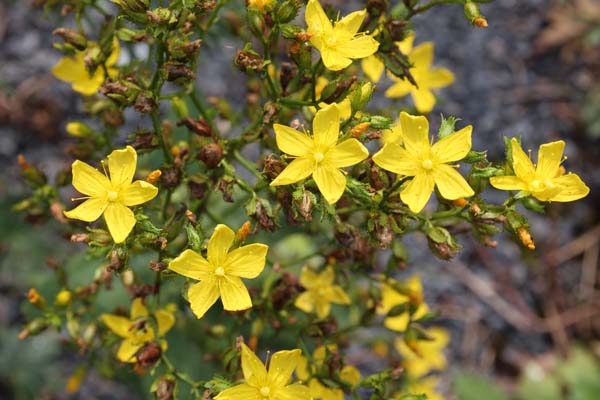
143	140
165	388
397	30
170	178
198	187
198	126
443	250
287	74
285	291
148	355
72	37
303	36
176	71
56	209
226	187
384	234
273	167
36	299
144	104
247	60
340	89
210	154
80	238
158	266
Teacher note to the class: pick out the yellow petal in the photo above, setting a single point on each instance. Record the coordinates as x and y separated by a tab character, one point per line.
293	392
70	69
117	324
373	67
246	261
390	297
508	183
308	278
344	107
302	371
424	100
138	309
332	59
415	131
114	55
127	350
331	183
240	392
88	211
351	23
453	147
572	188
291	141
400	88
406	45
522	165
316	19
121	165
417	192
549	159
138	192
326	277
392	136
350	375
234	295
450	183
282	365
89	180
358	47
347	153
120	221
438	78
89	85
165	321
336	294
394	158
191	265
297	170
397	323
422	55
323	308
305	302
254	370
202	296
326	127
219	244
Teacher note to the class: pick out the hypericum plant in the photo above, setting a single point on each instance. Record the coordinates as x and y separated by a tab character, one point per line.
327	200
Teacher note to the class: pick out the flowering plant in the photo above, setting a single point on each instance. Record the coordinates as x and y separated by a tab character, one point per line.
282	210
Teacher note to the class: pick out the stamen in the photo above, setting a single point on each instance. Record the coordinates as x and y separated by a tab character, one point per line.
103	163
80	198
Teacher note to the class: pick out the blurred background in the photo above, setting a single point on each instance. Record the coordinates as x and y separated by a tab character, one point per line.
525	325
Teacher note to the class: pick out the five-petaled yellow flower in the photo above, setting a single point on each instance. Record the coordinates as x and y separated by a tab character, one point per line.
112	195
348	374
373	67
391	297
340	42
546	181
427	78
426	386
421	357
320	155
220	275
138	330
73	69
320	292
273	384
426	163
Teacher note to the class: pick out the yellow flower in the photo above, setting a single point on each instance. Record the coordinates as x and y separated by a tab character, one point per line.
426	386
344	106
392	136
392	298
273	384
111	196
320	292
373	67
546	181
338	43
427	78
262	5
427	163
137	330
349	374
425	355
220	275
73	69
320	155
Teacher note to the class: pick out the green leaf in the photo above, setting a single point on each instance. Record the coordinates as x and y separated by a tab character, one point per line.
468	386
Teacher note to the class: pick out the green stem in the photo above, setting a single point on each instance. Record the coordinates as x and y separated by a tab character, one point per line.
249	165
158	129
430	5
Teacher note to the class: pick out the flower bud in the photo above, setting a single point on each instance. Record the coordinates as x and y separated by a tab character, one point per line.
262	5
197	126
198	186
525	238
165	387
153	176
358	130
177	72
287	11
210	154
34	327
248	60
63	298
136	6
75	39
170	177
243	232
78	129
36	299
473	15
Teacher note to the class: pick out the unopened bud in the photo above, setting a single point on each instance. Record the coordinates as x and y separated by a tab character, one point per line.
176	71
460	202
243	232
78	129
170	177
248	60
36	299
75	39
473	15
287	11
153	176
525	238
262	5
165	387
34	327
197	126
149	354
359	129
80	238
63	298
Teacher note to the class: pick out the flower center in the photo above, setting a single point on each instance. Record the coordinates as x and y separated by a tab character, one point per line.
112	195
427	164
537	184
548	183
220	271
319	157
264	391
321	291
331	41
